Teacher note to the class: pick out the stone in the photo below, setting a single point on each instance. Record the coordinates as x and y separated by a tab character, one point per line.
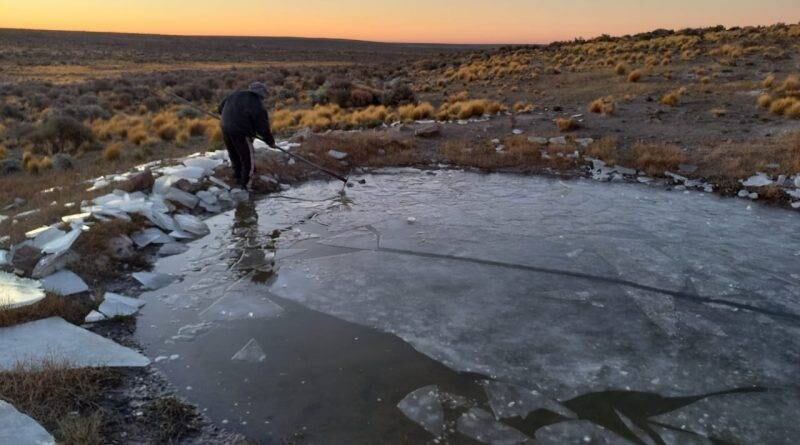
25	258
428	131
120	247
139	182
64	283
18	292
55	340
63	162
560	140
19	429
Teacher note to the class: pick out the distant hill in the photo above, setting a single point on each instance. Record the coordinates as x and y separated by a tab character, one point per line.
34	46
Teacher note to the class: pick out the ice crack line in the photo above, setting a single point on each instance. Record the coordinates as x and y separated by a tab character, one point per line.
619	281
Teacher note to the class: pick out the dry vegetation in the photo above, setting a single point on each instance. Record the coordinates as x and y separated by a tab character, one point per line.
73	310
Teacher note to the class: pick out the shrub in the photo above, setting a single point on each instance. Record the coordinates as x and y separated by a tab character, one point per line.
621	69
764	101
3	152
397	94
45	163
769	81
62	132
113	151
780	106
167	132
603	105
371	116
523	107
468	108
671	99
197	128
655	159
410	112
793	111
635	76
792	83
567	124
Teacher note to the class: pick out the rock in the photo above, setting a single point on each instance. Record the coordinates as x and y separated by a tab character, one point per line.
63	162
140	182
9	166
17	428
336	154
25	258
538	140
302	135
428	131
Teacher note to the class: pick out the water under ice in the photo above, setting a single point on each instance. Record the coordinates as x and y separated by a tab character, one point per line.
561	290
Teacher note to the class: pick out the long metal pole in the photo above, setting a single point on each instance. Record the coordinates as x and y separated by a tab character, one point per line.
298	157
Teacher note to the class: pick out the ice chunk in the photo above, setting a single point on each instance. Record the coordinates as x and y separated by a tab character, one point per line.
251	352
154	281
192	224
185	199
481	426
3	257
62	243
336	154
507	400
162	184
219	182
581	431
118	298
98	184
239	195
77	217
424	408
111	309
207	197
207	164
149	236
161	219
38	231
517	131
173	248
757	180
94	317
64	283
191	331
54	339
17	292
180	234
17	428
183	172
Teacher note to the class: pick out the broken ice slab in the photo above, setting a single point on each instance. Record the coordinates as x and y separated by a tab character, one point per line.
336	154
161	219
219	182
63	242
192	224
207	164
183	172
98	184
152	235
51	264
507	400
118	298
154	281
579	431
55	340
162	184
64	283
187	200
17	428
173	248
38	231
77	217
3	257
181	234
757	180
251	352
94	317
116	305
479	425
424	408
17	292
239	195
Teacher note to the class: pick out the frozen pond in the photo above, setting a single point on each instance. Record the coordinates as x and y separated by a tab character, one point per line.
488	309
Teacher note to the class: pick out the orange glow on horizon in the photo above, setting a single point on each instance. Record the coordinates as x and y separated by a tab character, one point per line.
441	21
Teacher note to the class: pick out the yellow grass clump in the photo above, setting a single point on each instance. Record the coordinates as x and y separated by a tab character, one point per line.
113	151
764	101
566	124
523	107
3	152
768	81
655	159
621	69
604	105
411	112
469	108
635	76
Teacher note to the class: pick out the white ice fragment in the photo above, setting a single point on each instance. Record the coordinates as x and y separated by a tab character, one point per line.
153	281
42	237
796	205
424	408
192	224
411	220
62	243
38	231
524	401
757	180
119	298
584	142
151	235
112	308
98	184
517	131
183	172
75	217
191	331
743	193
481	426
161	219
239	195
3	257
94	317
336	154
162	184
251	352
18	428
188	200
17	292
64	283
180	234
219	182
172	248
207	197
53	339
207	164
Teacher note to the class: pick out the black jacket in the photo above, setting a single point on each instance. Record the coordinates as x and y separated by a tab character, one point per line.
244	114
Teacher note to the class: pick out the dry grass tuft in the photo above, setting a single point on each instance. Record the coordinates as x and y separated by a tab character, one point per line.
635	76
565	124
411	112
621	69
468	108
171	419
99	261
764	101
3	152
672	99
73	310
605	149
363	150
769	81
605	106
59	397
113	151
523	107
655	159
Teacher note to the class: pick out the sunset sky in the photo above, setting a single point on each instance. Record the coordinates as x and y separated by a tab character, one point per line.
451	21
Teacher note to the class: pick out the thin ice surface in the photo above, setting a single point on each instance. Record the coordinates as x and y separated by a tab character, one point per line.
423	407
507	400
481	426
57	340
151	280
19	429
17	292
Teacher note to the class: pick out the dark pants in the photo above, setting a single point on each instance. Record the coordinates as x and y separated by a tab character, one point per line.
240	151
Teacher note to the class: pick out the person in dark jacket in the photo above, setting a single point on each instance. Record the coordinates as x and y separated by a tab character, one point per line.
243	118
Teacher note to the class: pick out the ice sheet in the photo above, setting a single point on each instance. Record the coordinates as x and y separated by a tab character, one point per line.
17	428
423	407
64	283
17	292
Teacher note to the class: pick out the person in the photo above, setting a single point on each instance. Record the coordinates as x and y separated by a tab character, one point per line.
243	117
